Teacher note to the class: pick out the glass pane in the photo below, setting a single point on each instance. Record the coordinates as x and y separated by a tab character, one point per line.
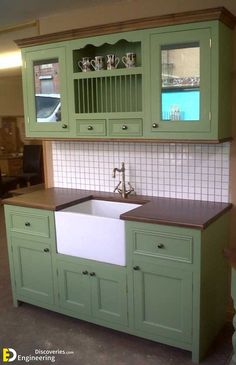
47	90
180	71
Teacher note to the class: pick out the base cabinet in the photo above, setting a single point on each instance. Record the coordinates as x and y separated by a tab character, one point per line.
163	301
173	289
94	289
33	271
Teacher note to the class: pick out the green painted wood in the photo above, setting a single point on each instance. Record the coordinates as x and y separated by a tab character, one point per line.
126	127
163	301
33	270
95	289
74	287
201	36
109	293
233	294
91	127
135	93
162	245
212	294
206	297
177	298
47	129
29	222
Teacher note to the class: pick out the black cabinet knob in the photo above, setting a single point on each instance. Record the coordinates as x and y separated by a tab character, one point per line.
85	272
27	224
46	250
155	125
64	126
136	268
124	127
160	245
90	128
92	274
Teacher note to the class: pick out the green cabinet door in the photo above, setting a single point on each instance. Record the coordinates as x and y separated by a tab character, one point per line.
45	91
180	84
163	301
93	289
109	293
74	287
32	271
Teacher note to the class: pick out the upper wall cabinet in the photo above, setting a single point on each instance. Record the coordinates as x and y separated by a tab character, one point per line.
166	82
190	86
45	91
106	85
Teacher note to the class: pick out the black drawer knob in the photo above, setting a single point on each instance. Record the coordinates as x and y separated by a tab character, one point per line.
85	272
160	245
46	250
155	125
124	127
64	126
92	274
136	268
90	128
27	224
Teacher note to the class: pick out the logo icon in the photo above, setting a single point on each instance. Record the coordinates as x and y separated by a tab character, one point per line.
8	354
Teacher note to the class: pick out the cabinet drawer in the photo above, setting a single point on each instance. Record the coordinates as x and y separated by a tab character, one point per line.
163	245
88	128
32	224
125	127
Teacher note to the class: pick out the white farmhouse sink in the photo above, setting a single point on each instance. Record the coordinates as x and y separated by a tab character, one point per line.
93	230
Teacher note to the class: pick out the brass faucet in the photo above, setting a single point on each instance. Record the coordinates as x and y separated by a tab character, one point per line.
120	187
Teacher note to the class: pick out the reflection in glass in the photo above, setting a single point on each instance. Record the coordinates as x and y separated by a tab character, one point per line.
47	90
180	97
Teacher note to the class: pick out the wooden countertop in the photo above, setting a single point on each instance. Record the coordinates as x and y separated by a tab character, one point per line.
178	212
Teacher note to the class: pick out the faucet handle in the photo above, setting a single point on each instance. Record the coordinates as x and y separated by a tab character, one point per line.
131	189
117	187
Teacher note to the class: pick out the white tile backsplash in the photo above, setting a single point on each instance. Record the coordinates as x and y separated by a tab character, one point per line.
193	171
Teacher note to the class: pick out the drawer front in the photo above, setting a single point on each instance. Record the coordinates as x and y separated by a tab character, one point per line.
125	127
163	245
88	128
32	224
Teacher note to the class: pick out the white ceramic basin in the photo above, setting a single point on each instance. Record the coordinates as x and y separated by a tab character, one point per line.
93	230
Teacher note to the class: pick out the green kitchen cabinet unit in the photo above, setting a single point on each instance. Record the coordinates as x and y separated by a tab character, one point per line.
31	245
94	289
177	88
177	283
32	264
173	289
45	92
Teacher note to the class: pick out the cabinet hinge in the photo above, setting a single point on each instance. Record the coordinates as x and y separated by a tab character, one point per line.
209	115
210	42
28	120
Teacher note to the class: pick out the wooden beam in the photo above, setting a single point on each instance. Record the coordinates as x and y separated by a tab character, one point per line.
48	164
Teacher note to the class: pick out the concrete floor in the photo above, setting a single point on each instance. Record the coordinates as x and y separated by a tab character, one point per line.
28	328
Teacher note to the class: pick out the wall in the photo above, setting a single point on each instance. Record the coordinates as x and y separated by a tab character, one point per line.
185	171
11	96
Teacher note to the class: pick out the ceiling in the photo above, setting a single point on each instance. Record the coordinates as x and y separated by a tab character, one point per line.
14	12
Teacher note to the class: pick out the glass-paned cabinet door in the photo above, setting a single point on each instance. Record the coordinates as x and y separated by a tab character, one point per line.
45	78
180	81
